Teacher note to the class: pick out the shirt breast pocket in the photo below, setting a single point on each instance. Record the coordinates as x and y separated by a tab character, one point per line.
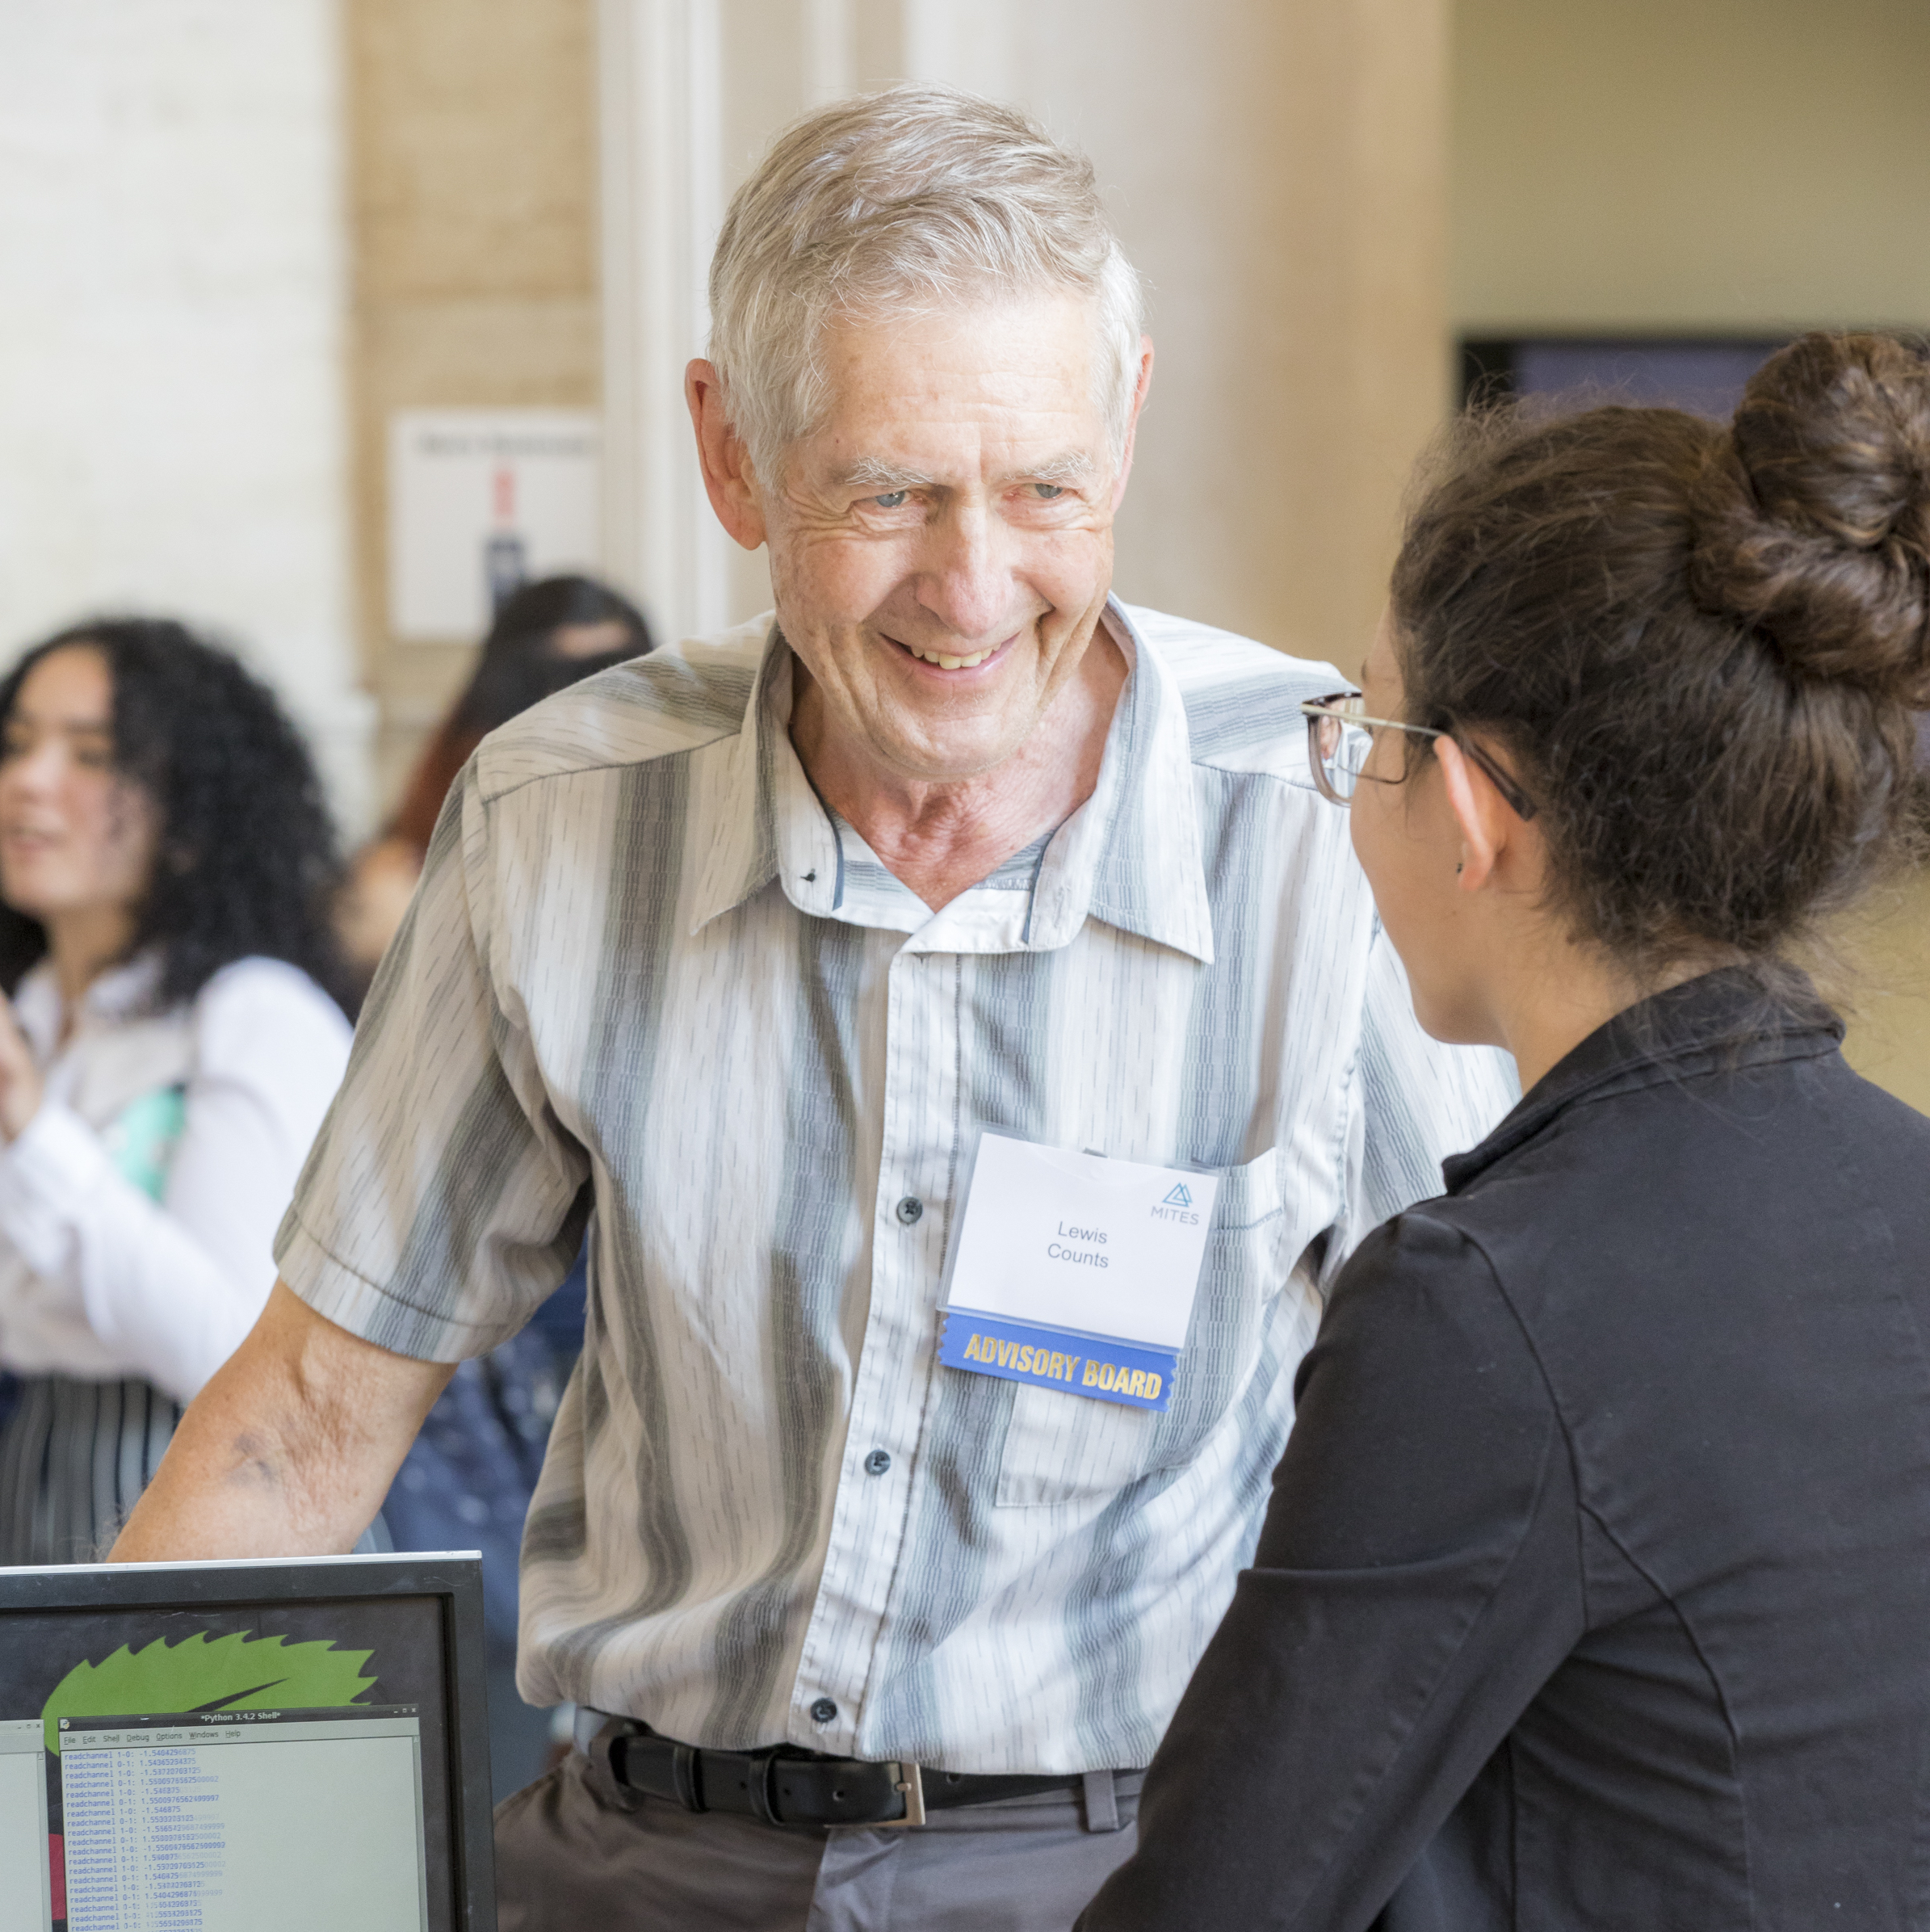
1063	1448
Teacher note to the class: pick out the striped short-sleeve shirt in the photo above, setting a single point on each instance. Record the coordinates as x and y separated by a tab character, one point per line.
650	988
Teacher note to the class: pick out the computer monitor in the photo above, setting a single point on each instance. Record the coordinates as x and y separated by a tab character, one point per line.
1701	373
218	1747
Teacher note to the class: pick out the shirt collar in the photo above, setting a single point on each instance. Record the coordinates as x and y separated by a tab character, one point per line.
1133	857
118	993
1130	855
740	858
1719	1021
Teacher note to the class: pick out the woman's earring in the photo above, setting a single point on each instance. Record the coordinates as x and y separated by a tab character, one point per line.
1456	871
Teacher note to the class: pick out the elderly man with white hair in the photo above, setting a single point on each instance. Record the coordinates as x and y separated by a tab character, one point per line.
964	1035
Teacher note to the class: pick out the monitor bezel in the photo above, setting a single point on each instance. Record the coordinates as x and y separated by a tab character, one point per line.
455	1578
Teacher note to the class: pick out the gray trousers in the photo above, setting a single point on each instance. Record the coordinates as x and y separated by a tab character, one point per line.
573	1851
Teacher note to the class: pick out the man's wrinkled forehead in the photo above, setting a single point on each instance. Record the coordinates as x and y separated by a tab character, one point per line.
1002	388
881	473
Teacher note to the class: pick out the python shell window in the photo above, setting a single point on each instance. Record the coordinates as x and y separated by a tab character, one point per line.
309	1822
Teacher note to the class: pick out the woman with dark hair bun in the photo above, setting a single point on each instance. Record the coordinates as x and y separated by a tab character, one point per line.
1595	1591
166	866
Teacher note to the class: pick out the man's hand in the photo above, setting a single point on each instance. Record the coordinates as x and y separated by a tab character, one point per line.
20	1083
289	1450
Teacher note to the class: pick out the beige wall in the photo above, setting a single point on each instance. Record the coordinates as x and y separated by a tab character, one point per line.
1715	164
473	262
1886	993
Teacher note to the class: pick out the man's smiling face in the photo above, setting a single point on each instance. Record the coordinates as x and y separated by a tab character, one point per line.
942	549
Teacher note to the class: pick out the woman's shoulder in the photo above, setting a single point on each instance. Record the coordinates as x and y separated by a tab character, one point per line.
1420	1333
1436	1238
1427	1264
1460	1261
258	1004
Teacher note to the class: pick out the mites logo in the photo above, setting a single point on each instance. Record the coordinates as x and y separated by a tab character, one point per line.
1173	1207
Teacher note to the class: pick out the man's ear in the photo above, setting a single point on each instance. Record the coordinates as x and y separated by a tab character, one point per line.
728	480
1480	812
1132	421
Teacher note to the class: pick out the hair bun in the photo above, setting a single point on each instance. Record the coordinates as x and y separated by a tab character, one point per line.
1814	524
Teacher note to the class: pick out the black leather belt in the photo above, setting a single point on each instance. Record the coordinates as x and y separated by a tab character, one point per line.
785	1785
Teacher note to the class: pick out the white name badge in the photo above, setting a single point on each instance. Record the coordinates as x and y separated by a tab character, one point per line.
1076	1272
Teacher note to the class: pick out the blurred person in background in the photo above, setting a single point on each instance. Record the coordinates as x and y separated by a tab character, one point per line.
469	1475
546	636
167	865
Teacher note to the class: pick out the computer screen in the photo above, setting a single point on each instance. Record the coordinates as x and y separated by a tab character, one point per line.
220	1747
1702	373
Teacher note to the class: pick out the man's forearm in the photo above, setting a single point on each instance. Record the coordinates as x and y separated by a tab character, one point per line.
289	1450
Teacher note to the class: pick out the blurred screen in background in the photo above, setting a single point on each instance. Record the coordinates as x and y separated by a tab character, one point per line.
1702	373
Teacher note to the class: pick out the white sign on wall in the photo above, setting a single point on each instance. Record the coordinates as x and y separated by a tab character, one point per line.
480	501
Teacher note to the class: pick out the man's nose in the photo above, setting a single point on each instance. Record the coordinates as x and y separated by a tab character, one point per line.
965	579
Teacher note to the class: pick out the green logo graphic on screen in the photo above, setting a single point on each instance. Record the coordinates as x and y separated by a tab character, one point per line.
201	1673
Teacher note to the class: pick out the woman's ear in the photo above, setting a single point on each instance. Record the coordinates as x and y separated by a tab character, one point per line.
1480	812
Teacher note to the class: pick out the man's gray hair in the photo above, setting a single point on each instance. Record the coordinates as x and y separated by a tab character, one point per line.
916	198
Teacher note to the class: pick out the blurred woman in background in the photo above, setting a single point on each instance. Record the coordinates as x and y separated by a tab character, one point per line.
547	636
166	866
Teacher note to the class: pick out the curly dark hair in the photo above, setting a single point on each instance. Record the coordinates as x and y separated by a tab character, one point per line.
245	858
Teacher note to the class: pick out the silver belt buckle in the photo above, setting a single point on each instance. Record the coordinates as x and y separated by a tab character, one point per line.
912	1785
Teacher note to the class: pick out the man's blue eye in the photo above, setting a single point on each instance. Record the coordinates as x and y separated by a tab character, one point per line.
1048	491
893	499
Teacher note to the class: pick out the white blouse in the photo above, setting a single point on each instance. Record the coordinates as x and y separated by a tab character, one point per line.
137	1210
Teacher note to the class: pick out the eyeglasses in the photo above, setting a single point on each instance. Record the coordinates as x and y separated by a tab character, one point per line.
1339	740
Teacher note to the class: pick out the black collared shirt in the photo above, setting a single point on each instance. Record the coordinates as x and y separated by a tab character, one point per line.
1594	1592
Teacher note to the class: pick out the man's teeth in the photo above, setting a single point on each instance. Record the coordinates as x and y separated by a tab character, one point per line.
948	663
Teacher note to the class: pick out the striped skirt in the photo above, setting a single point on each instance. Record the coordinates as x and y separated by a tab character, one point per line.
74	1458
